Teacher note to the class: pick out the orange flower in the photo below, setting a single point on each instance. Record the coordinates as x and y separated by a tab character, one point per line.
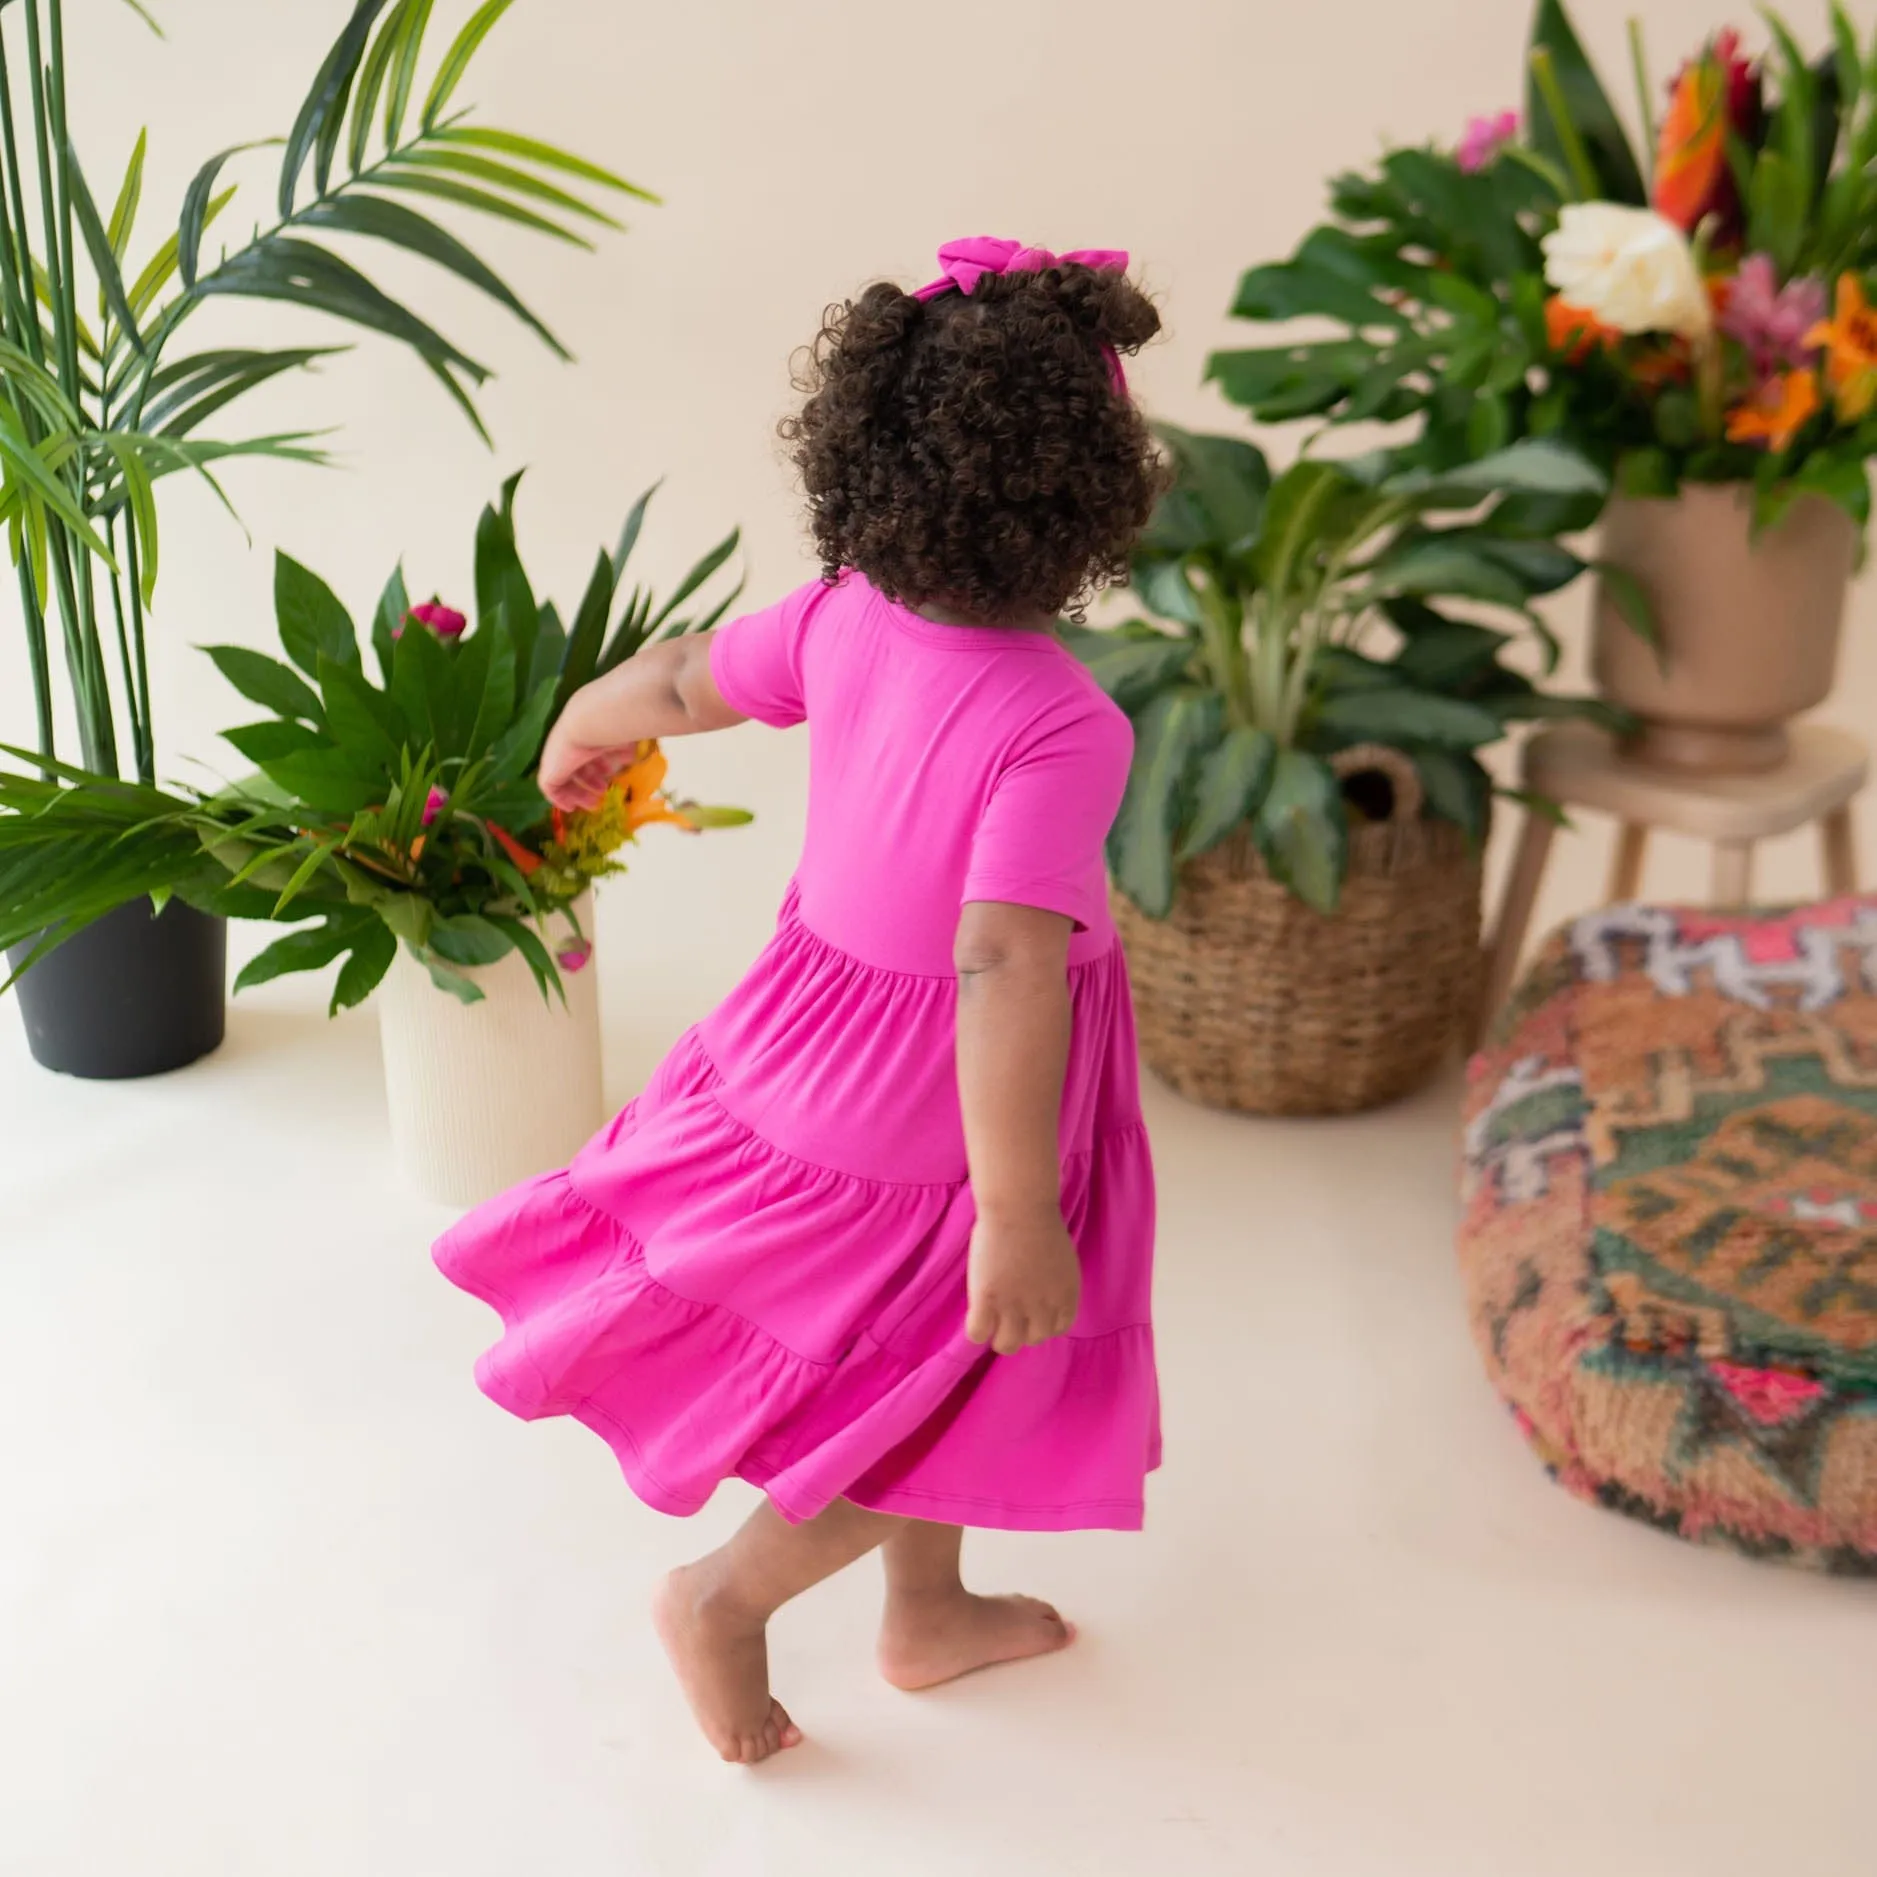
1573	333
1713	96
1777	412
1850	341
527	862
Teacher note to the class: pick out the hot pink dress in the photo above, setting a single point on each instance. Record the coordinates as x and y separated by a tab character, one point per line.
759	1268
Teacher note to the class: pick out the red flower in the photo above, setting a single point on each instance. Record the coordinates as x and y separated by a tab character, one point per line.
445	621
1711	97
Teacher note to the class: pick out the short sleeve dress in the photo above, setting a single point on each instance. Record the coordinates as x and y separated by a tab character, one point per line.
758	1269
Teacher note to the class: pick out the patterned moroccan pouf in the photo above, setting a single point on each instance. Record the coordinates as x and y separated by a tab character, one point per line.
1670	1222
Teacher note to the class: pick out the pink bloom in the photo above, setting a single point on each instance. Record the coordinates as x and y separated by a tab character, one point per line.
1485	138
445	621
434	804
574	955
1770	321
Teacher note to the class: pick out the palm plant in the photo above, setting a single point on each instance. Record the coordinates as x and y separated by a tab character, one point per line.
93	417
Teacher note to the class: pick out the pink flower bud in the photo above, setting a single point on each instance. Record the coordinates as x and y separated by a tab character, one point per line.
574	955
434	804
445	621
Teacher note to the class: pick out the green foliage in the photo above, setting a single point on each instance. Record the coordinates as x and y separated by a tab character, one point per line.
92	419
1300	615
400	808
1426	291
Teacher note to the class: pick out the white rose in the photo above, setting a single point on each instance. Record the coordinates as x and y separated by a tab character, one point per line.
1630	268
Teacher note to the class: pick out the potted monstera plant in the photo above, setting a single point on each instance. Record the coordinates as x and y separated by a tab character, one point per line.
1296	860
395	824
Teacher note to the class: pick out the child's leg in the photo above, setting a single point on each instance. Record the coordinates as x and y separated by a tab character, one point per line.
935	1629
712	1617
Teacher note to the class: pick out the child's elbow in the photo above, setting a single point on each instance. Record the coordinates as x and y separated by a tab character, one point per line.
995	940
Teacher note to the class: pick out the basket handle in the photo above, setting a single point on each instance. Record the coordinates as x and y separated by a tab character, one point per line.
1404	779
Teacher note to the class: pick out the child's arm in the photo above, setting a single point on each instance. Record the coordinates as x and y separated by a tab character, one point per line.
665	690
1025	1280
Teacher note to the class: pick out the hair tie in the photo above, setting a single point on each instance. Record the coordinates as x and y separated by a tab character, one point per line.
962	264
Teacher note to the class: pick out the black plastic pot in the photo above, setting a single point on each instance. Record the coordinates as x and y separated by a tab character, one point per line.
135	993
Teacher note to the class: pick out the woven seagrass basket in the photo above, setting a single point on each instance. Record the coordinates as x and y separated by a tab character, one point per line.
1245	998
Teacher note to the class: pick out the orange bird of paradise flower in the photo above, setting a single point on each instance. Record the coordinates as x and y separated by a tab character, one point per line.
1777	412
1713	96
1850	341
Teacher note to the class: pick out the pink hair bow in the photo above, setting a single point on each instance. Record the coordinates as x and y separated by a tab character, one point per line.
962	264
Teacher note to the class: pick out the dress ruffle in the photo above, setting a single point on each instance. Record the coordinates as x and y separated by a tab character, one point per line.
714	1302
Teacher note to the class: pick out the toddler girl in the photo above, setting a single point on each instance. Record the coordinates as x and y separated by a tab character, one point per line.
877	1236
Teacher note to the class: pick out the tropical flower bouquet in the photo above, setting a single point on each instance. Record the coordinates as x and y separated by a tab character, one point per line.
402	810
1699	319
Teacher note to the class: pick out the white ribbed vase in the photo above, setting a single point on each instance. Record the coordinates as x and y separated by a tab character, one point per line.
485	1095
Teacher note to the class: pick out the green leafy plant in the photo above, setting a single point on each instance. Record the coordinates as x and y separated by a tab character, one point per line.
1304	614
400	809
97	402
1663	313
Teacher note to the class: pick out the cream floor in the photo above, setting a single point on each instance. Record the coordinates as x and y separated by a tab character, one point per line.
280	1596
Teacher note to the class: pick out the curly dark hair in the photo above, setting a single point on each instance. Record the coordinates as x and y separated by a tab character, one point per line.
972	450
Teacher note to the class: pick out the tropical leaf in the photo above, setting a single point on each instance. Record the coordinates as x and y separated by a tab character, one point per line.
1302	830
456	61
701	572
384	220
1132	663
1592	118
267	682
372	956
130	194
197	203
365	723
469	940
323	111
402	175
1173	733
338	932
98	245
587	633
503	176
532	150
312	622
1297	500
1401	717
1232	781
410	30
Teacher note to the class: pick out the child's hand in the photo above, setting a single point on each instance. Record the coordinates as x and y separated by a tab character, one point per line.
575	774
1024	1281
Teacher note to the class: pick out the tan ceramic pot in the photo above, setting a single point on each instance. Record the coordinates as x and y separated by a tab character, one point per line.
1749	627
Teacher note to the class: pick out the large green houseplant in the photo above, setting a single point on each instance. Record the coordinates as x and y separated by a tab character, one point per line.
1297	855
100	403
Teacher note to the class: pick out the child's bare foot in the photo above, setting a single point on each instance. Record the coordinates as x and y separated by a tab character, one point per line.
722	1661
931	1639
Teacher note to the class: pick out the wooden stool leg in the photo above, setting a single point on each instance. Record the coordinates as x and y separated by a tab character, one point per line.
1515	915
1840	844
1632	842
1733	875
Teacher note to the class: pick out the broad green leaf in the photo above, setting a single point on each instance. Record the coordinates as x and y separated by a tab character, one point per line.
1645	472
366	724
267	742
1458	789
267	682
1433	566
1302	829
1777	209
1171	736
1232	781
1226	477
423	687
331	781
1449	654
1532	466
1166	591
372	955
1293	513
469	940
312	622
532	150
1598	127
463	989
306	950
527	941
384	220
516	751
388	621
1539	566
324	105
587	633
1402	717
98	244
1631	599
1131	664
1284	290
495	706
456	60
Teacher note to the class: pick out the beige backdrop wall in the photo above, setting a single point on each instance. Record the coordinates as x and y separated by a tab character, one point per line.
803	147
